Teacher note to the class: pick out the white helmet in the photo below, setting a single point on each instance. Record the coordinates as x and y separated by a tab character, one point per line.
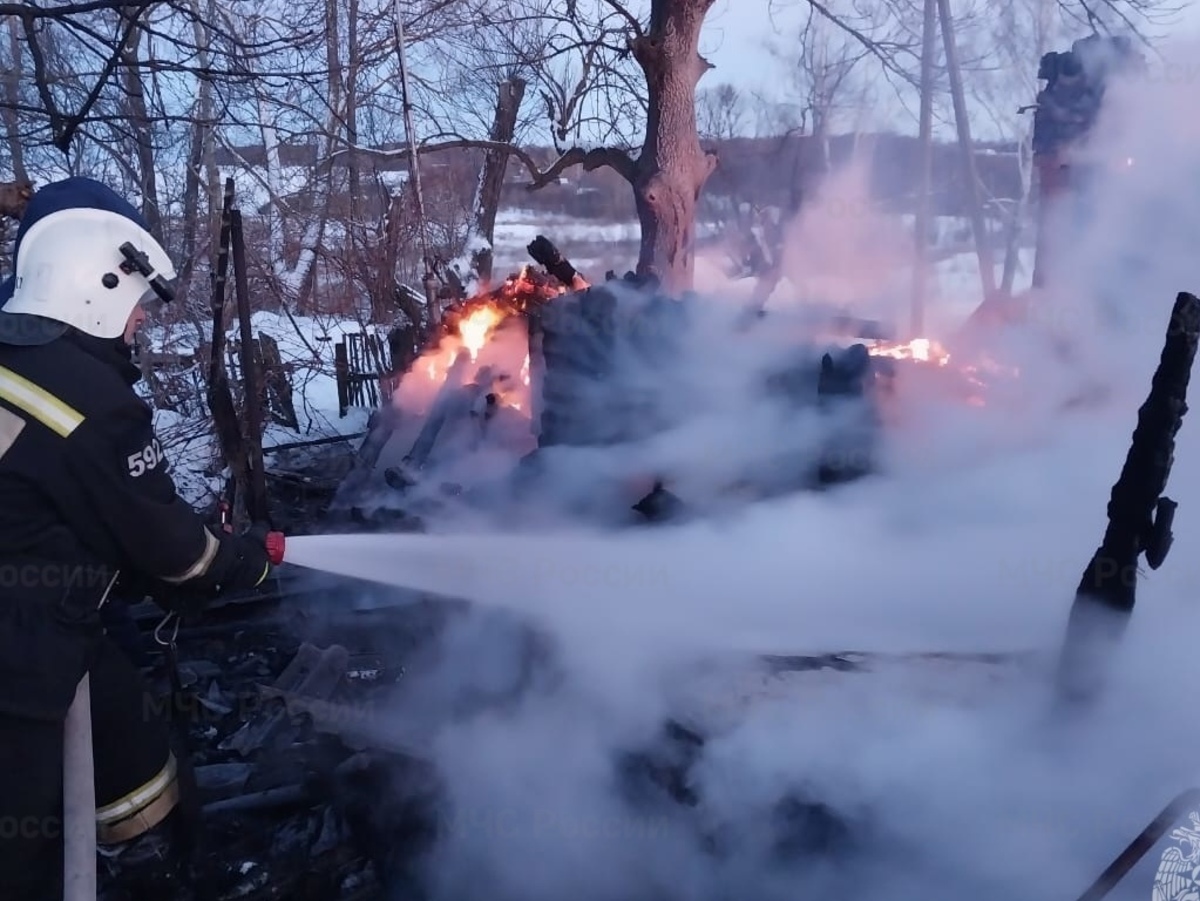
88	268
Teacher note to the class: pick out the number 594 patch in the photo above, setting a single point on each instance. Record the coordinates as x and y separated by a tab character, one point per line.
146	459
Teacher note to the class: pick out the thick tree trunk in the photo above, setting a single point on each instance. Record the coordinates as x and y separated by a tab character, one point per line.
14	195
672	168
353	61
139	118
12	97
983	248
924	217
491	179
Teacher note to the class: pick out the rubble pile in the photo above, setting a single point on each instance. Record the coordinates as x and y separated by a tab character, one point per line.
301	795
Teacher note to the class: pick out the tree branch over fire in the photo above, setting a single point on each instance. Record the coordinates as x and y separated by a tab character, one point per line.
589	160
596	67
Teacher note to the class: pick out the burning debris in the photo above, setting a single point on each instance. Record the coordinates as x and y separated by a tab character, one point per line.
543	361
470	326
966	381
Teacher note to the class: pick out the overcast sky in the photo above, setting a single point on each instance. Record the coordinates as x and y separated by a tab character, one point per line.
737	33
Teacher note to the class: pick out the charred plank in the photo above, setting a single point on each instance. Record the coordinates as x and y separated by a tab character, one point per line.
1139	516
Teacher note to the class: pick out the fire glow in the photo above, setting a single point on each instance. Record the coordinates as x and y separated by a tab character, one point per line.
973	378
481	342
475	328
924	350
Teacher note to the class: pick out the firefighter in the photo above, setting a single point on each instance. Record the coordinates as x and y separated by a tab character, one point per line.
89	513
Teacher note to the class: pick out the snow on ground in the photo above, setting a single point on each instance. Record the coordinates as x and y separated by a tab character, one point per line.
306	344
592	246
306	347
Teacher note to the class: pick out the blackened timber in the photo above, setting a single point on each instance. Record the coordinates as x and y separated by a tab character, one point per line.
256	496
443	405
220	397
314	442
1139	516
603	355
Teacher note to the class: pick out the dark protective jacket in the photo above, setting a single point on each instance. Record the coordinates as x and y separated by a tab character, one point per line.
88	508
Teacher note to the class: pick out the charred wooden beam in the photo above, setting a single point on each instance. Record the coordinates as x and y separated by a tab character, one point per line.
449	400
1139	516
271	798
313	442
314	673
256	495
548	256
220	397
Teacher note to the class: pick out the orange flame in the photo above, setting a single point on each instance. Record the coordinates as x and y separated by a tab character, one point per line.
475	327
924	350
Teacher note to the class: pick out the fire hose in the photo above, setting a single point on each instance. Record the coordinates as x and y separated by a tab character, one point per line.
79	787
79	799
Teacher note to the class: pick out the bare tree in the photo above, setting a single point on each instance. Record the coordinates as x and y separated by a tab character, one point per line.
721	112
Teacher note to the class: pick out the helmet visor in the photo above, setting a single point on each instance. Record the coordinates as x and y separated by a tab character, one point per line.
152	302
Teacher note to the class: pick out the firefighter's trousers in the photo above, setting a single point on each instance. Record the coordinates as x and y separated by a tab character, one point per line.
136	784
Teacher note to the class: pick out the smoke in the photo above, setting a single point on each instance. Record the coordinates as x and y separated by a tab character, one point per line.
950	778
840	249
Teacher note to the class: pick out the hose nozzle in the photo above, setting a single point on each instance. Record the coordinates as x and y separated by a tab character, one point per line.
276	543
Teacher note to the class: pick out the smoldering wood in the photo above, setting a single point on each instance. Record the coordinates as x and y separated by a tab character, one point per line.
1139	515
546	254
590	342
314	673
264	800
452	399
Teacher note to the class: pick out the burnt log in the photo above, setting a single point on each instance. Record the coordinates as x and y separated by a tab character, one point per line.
841	384
314	674
547	255
276	389
1139	515
604	357
453	397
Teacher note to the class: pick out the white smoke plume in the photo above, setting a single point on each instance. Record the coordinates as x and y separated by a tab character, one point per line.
968	782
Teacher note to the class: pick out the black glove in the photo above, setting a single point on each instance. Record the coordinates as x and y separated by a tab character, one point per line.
241	562
545	254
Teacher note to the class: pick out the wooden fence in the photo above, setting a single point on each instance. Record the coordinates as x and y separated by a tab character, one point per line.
363	365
